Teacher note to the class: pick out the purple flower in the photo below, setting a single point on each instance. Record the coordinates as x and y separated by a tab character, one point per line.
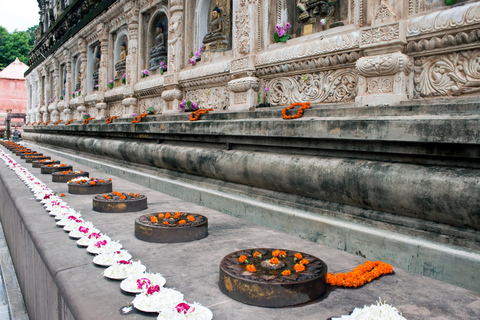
183	105
110	81
267	89
161	63
197	54
194	106
192	61
288	25
153	289
124	76
281	32
322	22
278	27
134	114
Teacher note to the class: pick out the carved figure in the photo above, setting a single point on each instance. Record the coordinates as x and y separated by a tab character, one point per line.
123	53
158	52
95	71
310	9
121	64
79	81
215	33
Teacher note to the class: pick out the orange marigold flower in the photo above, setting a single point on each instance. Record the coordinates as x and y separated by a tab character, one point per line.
130	194
286	272
282	254
242	258
191	218
298	256
161	216
165	222
304	261
276	253
102	181
115	193
110	179
176	215
62	194
78	181
251	268
153	219
123	197
274	260
135	195
257	254
167	215
92	183
299	267
182	222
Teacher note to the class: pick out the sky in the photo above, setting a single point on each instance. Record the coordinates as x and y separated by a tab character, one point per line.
18	14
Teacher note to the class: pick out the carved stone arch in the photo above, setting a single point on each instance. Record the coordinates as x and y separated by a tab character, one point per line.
121	35
203	10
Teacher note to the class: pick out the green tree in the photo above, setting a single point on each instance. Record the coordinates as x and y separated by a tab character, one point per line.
15	44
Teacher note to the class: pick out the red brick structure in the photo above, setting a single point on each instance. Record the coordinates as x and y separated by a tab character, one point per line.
13	93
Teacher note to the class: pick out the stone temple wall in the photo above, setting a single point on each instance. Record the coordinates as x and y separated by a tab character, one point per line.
385	52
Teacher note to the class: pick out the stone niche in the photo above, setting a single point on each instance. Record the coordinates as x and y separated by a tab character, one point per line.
120	53
214	25
155	47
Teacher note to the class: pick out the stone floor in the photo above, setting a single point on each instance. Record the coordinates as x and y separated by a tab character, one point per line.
193	268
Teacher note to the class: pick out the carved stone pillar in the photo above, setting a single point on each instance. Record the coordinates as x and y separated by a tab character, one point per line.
82	43
68	77
102	110
385	75
102	31
132	12
173	98
130	105
244	87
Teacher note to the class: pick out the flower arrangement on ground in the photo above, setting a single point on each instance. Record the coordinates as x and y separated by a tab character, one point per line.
195	56
116	196
281	34
169	219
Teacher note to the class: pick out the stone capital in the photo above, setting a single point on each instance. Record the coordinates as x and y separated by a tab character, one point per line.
384	65
244	84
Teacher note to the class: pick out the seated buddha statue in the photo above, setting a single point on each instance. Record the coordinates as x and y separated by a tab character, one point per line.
121	64
159	50
215	29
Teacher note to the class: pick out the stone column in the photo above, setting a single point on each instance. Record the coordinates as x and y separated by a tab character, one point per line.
244	87
101	106
52	108
47	95
82	43
385	73
132	13
68	85
173	94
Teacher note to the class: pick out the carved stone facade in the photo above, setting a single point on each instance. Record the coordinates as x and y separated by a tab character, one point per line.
369	59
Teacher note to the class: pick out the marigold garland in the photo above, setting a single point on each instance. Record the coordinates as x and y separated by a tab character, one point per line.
57	122
195	115
87	120
303	106
39	123
139	118
34	124
109	120
27	123
70	121
46	123
360	275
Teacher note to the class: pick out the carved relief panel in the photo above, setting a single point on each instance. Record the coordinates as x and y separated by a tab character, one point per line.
216	98
320	87
157	103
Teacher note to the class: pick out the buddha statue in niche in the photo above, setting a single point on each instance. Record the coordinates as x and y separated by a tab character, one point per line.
79	81
215	39
95	70
158	52
121	64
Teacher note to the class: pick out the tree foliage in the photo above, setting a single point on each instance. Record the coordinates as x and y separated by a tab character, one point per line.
16	44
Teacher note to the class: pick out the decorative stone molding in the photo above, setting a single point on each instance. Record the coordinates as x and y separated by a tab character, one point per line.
208	81
204	71
216	98
386	64
321	87
384	79
452	74
244	84
316	63
170	95
384	13
127	102
309	49
169	79
456	17
242	29
240	64
157	104
445	43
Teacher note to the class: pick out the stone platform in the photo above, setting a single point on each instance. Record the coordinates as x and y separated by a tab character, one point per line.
64	283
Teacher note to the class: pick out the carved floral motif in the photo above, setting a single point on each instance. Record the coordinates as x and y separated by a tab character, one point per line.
116	109
385	64
381	34
157	104
216	98
450	74
326	86
380	85
239	64
242	34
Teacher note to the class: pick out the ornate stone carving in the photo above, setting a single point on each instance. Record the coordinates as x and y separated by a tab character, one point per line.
380	85
244	84
170	95
450	74
449	42
380	34
116	109
239	64
467	14
317	63
216	98
386	64
384	12
240	97
242	33
311	48
169	79
93	112
157	104
326	86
